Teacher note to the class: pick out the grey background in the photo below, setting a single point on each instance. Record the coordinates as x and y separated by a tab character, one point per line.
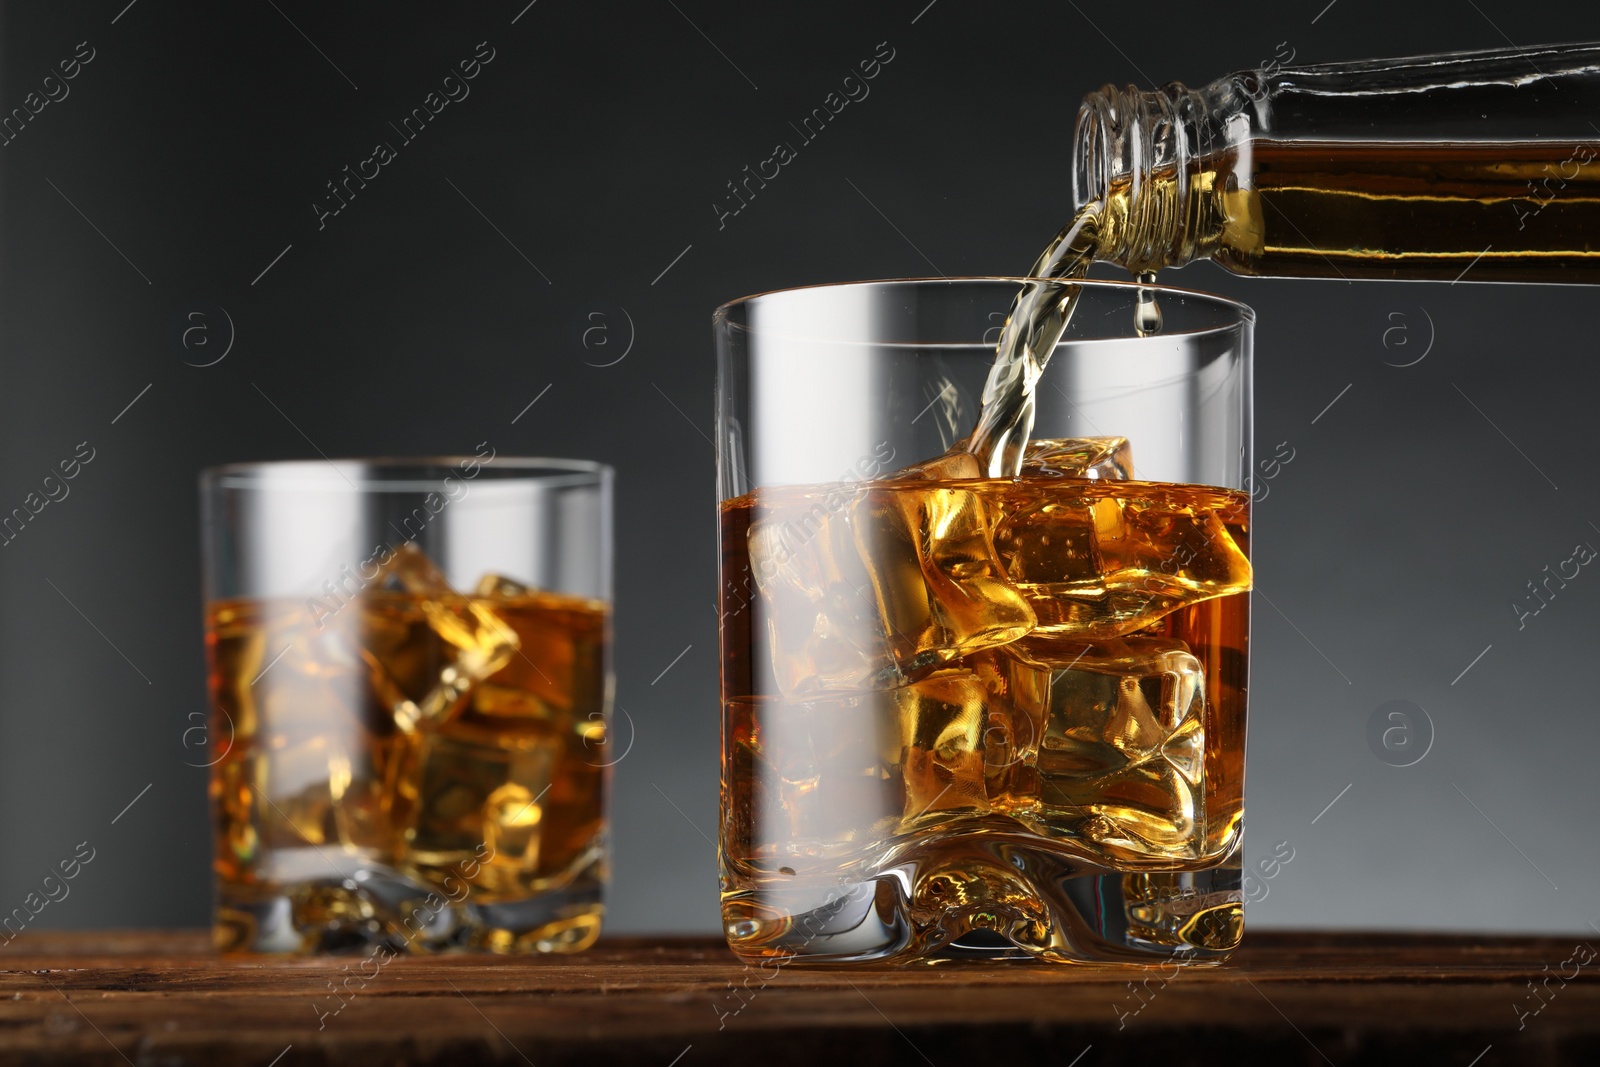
1388	551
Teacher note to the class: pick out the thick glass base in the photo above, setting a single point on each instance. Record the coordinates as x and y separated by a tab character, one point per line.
367	906
994	899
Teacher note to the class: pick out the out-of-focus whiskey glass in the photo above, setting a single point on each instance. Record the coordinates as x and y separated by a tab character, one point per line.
978	716
410	684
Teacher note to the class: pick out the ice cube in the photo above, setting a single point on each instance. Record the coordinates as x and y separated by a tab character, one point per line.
1092	458
822	627
387	692
833	779
410	570
1106	561
1016	694
873	587
939	586
1116	705
478	642
1122	760
943	723
955	465
823	777
512	705
400	650
483	641
561	653
499	587
511	819
297	706
422	658
324	789
480	787
318	765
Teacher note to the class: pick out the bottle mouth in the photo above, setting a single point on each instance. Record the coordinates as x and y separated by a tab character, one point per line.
1133	154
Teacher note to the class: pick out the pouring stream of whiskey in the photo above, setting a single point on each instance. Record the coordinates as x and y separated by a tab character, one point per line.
1038	317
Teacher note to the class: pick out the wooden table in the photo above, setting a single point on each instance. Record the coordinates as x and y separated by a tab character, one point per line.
160	999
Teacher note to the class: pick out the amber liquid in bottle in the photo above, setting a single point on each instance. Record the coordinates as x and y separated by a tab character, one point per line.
1517	212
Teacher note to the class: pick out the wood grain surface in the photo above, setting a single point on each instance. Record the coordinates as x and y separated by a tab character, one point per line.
161	998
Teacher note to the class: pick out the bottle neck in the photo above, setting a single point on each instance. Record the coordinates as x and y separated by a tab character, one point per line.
1137	155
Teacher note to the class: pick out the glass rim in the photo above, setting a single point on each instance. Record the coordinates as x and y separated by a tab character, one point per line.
1243	312
356	473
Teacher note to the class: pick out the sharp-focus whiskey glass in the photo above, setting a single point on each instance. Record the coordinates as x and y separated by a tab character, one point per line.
969	716
409	682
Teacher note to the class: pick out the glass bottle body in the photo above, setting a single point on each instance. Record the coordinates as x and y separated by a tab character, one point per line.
1478	165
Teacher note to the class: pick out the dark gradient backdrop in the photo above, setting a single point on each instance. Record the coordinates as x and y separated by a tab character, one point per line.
574	188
